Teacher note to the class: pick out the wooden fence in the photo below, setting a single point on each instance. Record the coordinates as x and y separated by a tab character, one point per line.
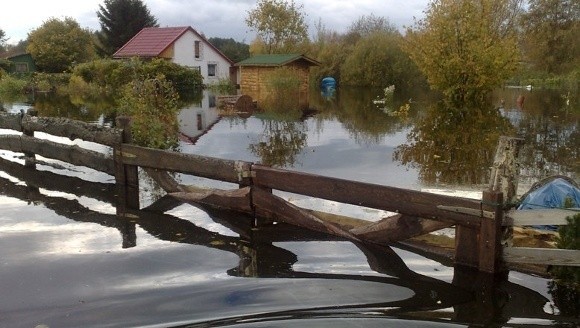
481	225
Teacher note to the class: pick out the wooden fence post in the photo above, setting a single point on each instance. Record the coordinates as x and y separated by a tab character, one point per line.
126	176
466	246
490	233
29	158
481	248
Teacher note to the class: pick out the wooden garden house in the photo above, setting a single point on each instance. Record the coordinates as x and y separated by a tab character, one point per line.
255	73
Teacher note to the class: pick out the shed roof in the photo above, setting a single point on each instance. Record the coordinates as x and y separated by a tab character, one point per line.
153	41
275	60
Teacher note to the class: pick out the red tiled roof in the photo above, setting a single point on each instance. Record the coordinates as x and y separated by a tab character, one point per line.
151	41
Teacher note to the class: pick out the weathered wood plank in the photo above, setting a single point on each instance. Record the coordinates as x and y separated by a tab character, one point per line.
466	246
271	206
545	256
408	202
72	129
71	154
397	228
549	216
202	166
164	180
10	121
237	199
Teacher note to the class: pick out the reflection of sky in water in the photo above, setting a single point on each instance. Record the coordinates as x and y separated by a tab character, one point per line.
330	151
70	273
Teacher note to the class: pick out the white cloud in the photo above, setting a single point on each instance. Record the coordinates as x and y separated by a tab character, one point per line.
218	18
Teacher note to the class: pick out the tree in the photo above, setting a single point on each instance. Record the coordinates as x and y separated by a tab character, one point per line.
3	39
330	48
120	20
465	48
551	34
279	24
236	51
59	44
364	26
376	58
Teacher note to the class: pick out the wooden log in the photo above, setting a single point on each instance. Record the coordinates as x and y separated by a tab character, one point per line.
271	206
397	228
505	169
11	121
408	202
202	166
544	256
505	175
237	199
71	154
72	129
164	180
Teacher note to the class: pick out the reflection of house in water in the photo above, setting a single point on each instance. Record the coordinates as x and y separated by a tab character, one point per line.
196	119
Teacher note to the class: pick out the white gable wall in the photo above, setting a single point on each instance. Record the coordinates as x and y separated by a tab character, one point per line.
184	54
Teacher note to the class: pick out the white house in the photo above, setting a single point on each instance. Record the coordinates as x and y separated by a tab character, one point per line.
183	46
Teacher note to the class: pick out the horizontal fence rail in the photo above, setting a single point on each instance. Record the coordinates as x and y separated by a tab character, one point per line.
202	166
404	201
67	153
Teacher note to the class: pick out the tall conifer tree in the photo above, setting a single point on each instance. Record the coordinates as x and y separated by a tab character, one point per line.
120	20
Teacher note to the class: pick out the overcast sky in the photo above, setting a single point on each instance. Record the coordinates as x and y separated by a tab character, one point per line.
214	18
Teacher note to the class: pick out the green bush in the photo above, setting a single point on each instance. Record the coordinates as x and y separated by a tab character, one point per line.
183	79
568	238
153	105
284	87
11	87
223	86
112	75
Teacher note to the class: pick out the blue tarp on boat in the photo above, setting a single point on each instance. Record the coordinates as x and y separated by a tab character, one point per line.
552	193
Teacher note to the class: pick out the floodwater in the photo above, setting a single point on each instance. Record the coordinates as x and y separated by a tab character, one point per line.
66	259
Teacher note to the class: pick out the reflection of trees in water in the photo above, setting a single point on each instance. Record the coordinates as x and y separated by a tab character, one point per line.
549	124
364	121
454	145
280	142
57	105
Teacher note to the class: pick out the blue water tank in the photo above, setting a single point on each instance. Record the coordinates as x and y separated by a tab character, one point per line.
328	83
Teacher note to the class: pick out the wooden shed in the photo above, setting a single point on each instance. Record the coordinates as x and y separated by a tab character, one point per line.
21	64
254	75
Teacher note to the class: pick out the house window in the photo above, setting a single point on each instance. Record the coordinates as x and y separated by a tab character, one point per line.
197	49
199	122
21	67
211	69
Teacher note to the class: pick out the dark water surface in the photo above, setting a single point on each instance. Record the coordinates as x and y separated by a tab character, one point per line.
66	259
